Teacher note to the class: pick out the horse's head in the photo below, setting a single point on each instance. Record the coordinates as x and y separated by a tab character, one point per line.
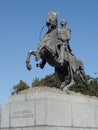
51	21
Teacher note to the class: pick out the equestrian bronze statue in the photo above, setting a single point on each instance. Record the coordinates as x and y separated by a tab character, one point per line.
54	49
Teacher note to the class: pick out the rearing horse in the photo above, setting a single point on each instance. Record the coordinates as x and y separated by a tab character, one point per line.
48	51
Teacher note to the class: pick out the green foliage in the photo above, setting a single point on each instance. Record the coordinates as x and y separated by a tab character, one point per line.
36	82
53	81
19	87
79	85
90	89
50	81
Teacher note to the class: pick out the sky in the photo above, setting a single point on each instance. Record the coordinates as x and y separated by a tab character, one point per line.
20	24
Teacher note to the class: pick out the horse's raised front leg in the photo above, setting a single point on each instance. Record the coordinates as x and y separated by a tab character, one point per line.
28	65
41	64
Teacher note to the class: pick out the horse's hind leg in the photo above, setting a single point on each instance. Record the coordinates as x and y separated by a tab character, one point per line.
61	78
81	71
69	85
82	76
72	82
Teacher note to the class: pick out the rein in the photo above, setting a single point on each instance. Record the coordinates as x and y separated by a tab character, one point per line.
41	32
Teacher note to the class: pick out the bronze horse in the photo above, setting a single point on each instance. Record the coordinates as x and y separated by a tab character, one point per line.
48	51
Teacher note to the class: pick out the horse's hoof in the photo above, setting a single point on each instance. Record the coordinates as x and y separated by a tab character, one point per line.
65	89
62	85
37	65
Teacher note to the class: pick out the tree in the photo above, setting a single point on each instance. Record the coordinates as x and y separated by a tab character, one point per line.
50	81
19	87
36	82
53	81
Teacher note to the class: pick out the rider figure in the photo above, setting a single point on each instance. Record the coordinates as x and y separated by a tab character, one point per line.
63	38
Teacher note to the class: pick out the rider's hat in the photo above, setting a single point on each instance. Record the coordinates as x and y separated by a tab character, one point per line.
63	22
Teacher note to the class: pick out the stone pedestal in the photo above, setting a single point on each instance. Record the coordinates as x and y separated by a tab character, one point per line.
49	109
